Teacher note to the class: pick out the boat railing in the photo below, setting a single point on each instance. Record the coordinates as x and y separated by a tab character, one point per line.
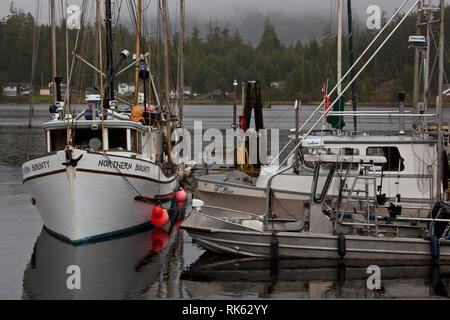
329	109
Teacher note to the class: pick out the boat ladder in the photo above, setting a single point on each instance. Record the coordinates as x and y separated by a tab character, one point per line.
367	173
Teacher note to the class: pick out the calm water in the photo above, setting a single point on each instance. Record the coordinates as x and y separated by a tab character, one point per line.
33	263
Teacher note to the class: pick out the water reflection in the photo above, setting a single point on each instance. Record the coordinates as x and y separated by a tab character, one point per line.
218	276
139	266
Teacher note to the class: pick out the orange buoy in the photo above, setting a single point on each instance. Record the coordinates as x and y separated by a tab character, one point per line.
159	217
159	238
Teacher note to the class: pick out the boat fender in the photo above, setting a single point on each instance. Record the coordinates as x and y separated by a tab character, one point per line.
274	248
159	217
341	245
180	197
434	247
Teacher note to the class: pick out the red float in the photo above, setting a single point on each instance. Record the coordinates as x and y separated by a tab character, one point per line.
159	217
181	196
159	238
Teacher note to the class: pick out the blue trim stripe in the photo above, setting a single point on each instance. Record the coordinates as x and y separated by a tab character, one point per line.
104	236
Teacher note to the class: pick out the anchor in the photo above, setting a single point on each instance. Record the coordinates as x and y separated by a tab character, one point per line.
70	161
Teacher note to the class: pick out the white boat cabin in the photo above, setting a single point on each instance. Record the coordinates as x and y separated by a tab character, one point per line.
403	153
119	136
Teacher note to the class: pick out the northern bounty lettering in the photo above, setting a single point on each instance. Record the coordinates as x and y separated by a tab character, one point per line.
123	165
40	165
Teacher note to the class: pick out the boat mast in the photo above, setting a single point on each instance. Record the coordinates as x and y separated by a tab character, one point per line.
109	93
181	55
138	52
426	90
439	103
166	79
97	13
53	46
350	45
416	69
100	54
339	47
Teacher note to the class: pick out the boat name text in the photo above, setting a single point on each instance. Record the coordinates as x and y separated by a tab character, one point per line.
37	166
123	165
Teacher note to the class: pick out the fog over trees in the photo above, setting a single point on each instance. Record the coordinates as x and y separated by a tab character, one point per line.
219	56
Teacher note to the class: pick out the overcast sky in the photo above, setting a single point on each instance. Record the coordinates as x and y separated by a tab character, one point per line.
293	19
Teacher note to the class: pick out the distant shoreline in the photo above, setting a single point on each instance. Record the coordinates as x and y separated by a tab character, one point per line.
26	100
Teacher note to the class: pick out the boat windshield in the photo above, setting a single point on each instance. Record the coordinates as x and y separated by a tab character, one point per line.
333	151
87	138
322	177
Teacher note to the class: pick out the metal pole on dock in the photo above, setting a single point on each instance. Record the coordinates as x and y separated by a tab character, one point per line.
235	83
401	99
297	129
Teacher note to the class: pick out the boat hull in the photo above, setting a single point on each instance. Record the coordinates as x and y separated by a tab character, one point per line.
94	199
286	204
219	235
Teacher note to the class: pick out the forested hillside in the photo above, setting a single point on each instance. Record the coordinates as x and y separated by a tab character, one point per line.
215	61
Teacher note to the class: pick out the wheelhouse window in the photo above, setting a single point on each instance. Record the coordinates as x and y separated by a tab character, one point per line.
134	141
58	139
117	139
87	138
394	161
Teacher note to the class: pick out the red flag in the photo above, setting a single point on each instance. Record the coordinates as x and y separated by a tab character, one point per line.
327	103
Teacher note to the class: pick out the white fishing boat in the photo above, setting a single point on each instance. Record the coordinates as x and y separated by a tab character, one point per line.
104	169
